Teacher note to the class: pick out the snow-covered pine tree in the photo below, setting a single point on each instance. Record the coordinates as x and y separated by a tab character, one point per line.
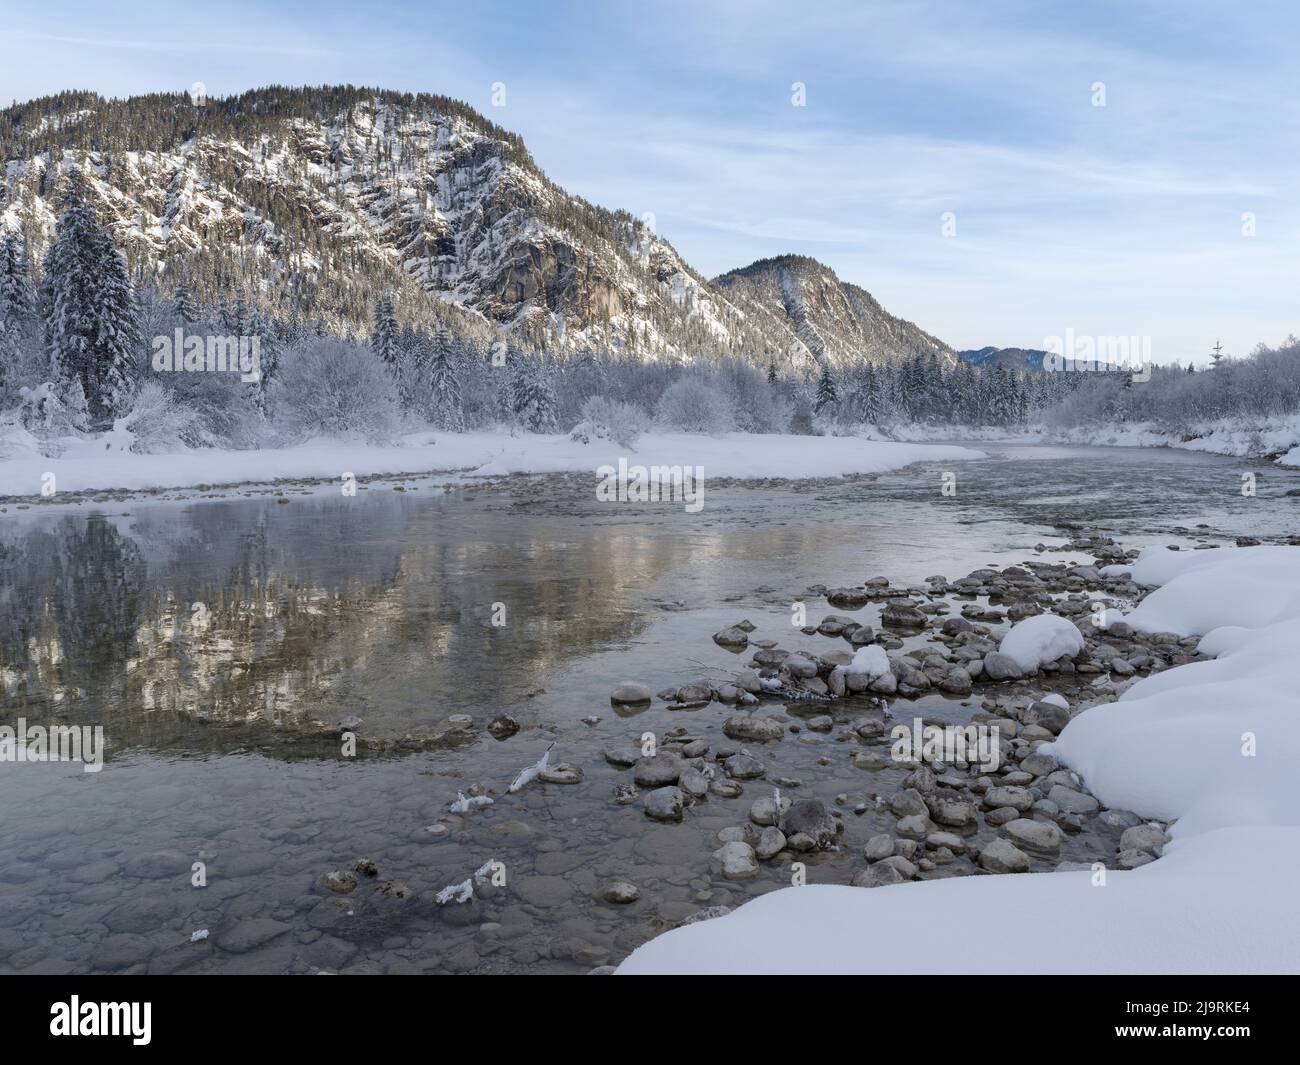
10	356
91	328
268	347
534	399
827	394
866	395
771	373
184	305
234	317
445	407
16	303
384	339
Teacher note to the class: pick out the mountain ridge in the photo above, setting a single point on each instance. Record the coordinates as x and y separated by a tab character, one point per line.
316	200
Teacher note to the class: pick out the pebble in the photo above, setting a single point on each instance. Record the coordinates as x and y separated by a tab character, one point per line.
664	804
630	693
1073	802
1003	857
620	892
754	729
1040	837
738	861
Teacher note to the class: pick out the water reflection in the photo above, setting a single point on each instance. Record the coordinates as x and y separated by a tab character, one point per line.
257	614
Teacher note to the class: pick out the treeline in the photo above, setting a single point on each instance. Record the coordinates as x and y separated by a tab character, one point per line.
87	122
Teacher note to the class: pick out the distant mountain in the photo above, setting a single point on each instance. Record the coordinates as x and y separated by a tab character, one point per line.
1009	358
316	200
833	321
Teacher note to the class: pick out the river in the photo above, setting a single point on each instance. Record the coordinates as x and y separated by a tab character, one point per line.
218	642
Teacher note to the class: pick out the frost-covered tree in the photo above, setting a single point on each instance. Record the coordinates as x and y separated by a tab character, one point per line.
184	305
384	339
330	387
91	328
268	345
16	302
533	399
445	407
827	394
694	404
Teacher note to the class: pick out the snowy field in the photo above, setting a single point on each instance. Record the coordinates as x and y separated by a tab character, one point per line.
96	464
1212	744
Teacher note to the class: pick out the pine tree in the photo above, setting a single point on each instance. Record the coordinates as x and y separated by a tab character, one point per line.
268	346
89	309
16	303
184	305
771	373
384	339
10	354
534	400
827	395
445	407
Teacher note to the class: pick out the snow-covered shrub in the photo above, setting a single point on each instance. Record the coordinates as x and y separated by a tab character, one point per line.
694	404
158	422
225	408
329	387
47	410
607	419
757	407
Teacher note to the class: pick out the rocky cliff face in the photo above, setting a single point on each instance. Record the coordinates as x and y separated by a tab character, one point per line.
316	201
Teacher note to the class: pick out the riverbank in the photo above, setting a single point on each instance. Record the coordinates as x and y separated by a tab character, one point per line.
85	467
1208	744
1274	439
1277	439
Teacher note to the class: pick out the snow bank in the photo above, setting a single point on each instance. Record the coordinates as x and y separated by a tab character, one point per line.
1229	436
1044	638
96	463
1196	910
1202	590
1212	745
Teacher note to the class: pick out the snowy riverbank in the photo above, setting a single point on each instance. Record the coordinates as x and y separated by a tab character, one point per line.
1277	438
1211	744
88	465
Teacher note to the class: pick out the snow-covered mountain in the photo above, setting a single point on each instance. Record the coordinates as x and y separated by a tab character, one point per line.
315	201
834	321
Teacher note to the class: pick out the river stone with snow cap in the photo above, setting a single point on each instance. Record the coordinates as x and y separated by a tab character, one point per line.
1035	641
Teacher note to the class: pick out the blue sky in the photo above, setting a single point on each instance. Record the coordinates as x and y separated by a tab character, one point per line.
1123	220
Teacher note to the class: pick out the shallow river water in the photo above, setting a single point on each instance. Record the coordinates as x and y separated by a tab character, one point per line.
218	642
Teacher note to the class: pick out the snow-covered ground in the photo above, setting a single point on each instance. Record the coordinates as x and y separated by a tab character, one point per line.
1259	439
1213	745
1276	436
100	464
